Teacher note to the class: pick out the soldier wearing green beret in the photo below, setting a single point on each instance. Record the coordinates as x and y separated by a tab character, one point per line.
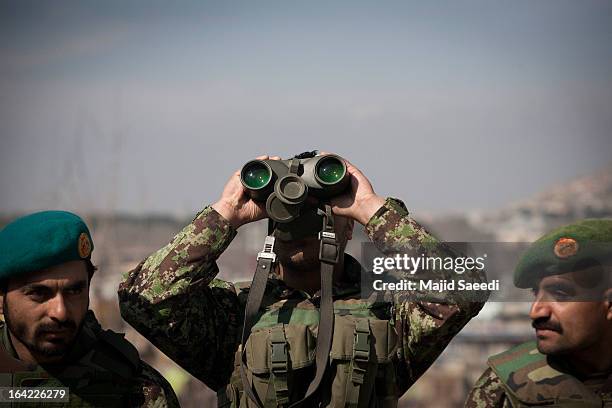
570	363
49	337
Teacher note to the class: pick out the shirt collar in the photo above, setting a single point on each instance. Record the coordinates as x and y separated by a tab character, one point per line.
348	285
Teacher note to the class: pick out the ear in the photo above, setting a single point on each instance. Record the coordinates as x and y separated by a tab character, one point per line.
608	303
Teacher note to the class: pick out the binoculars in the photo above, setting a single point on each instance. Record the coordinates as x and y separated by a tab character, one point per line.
285	184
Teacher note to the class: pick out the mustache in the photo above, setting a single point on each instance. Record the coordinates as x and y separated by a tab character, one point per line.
546	324
56	326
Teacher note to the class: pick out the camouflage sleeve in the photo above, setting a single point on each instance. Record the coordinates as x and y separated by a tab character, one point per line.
156	391
173	300
424	321
488	392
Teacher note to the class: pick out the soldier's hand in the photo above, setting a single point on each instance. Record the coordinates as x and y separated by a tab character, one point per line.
360	202
236	206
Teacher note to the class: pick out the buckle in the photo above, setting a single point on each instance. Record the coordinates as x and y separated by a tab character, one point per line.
268	249
328	239
279	357
327	235
358	375
362	346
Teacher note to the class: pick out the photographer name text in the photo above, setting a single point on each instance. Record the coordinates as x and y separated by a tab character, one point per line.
432	285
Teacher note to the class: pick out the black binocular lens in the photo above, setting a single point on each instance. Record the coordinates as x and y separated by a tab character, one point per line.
330	170
256	175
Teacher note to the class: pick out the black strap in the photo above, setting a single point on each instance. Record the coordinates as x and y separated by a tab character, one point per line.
329	255
256	292
271	226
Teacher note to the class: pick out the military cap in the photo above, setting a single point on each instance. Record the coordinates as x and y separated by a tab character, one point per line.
565	249
42	240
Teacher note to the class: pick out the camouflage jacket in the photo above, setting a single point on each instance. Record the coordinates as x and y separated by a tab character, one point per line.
523	377
102	370
174	300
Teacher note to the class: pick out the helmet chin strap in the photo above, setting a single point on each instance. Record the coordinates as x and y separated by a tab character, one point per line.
329	255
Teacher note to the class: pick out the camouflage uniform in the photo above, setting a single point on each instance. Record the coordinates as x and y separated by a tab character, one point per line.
523	377
174	300
102	370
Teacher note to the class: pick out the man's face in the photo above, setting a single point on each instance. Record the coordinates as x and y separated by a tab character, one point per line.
567	317
44	310
303	254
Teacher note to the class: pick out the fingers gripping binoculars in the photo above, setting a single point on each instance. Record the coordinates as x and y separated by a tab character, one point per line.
285	185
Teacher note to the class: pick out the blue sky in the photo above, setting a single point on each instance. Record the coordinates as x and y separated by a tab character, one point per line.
149	107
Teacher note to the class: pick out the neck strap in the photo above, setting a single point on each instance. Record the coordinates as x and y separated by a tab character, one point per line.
329	254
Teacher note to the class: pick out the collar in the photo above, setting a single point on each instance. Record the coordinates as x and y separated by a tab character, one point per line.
349	285
5	340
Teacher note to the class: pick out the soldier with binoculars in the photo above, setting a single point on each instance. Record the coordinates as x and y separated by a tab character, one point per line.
300	334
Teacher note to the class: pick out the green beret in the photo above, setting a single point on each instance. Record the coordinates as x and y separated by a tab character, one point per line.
41	240
565	249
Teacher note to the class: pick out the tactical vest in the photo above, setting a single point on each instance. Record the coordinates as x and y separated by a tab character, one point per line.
281	356
102	375
529	380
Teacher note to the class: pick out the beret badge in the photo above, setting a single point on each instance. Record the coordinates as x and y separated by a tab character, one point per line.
565	247
84	246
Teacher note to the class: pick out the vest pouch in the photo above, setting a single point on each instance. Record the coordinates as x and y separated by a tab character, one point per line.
362	349
280	361
383	338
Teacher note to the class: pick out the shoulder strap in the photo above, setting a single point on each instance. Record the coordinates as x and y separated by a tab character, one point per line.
265	261
328	255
